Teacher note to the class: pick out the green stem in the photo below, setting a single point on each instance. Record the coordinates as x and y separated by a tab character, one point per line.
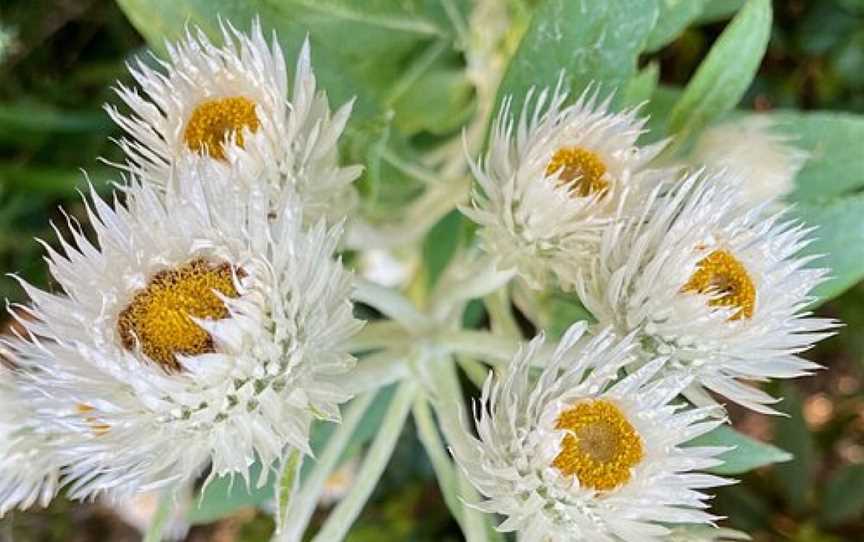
390	303
298	516
161	517
287	485
444	469
343	516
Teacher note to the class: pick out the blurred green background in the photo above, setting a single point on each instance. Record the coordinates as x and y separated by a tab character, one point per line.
58	60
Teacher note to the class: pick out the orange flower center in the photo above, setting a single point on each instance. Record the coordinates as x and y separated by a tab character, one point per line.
214	120
601	446
159	318
722	275
580	169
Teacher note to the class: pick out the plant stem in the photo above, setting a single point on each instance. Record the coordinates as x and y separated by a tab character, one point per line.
390	303
287	486
298	516
161	517
343	516
441	463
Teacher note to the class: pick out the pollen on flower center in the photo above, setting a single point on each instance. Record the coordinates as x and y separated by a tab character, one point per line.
600	447
723	275
212	121
580	169
159	316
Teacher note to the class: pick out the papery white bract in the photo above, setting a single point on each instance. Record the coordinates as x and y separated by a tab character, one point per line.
632	472
754	151
719	288
217	102
201	329
29	469
553	180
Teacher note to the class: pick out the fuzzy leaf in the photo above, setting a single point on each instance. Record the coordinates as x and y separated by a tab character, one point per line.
726	73
590	41
748	454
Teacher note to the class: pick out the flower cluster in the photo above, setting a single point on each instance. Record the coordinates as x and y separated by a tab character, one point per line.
199	325
204	322
694	286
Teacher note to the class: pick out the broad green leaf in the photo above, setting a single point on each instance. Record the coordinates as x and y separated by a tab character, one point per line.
726	72
380	35
590	41
839	238
440	246
836	164
844	495
35	117
748	454
642	86
675	16
657	110
795	477
439	103
718	10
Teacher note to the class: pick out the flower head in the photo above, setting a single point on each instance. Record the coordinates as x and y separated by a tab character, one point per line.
228	104
717	287
550	183
751	149
200	328
579	454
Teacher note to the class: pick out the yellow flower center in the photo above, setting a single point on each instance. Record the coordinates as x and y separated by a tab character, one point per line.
214	120
601	446
159	316
723	275
580	169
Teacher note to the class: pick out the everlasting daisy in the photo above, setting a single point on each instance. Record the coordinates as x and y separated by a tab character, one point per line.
217	102
550	183
578	454
720	289
752	149
200	328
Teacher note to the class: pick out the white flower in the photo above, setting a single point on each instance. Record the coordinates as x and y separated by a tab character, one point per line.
29	471
550	183
751	149
201	328
717	287
217	102
577	454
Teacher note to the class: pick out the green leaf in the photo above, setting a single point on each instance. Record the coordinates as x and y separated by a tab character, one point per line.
382	35
675	16
42	118
718	10
748	454
54	182
844	495
795	477
440	245
839	238
834	166
590	41
727	71
642	86
439	102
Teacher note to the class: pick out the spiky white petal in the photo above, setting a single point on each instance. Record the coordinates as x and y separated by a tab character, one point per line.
295	144
29	471
531	220
510	462
637	285
753	150
252	397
